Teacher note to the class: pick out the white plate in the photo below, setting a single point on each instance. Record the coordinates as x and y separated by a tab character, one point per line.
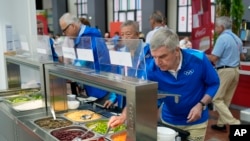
88	99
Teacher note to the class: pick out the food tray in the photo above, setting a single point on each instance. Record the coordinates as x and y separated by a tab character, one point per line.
71	132
102	127
16	100
46	125
18	91
25	102
78	113
20	99
119	136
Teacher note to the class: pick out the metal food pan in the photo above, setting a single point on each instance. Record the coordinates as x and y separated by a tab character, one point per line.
29	95
18	91
78	118
121	133
10	99
51	127
71	132
102	128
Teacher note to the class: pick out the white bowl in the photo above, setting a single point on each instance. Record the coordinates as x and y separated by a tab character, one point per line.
166	134
71	97
73	104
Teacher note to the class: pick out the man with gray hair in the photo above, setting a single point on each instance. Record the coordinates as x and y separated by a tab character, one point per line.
155	21
226	56
72	27
185	72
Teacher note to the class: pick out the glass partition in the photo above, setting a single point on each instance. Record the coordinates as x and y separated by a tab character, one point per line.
21	46
126	57
77	52
43	50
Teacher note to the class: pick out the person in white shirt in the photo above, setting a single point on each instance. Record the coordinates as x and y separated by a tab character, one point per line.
185	43
156	23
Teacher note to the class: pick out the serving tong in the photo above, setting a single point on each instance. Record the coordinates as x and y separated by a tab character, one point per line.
79	138
53	112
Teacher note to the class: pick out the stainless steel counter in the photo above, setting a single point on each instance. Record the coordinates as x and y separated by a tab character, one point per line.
141	96
17	125
21	125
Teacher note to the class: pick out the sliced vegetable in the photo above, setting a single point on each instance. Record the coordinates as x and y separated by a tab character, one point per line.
101	127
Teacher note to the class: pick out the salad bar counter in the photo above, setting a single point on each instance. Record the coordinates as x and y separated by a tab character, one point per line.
26	116
37	125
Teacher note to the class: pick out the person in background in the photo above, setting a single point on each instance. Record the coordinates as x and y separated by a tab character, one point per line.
72	27
185	43
174	69
58	41
129	42
226	56
85	21
142	36
155	21
40	31
115	38
164	19
107	35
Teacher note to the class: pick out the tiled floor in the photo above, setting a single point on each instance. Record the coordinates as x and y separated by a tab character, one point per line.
213	135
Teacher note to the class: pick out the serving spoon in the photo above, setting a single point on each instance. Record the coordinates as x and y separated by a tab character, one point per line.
89	116
79	138
53	113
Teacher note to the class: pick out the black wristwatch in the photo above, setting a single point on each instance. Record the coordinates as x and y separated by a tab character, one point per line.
203	105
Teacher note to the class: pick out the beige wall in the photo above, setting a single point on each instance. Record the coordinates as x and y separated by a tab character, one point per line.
23	21
110	12
72	7
47	4
172	14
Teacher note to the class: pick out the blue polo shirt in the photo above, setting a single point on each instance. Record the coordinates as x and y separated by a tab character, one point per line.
228	47
54	54
195	78
99	55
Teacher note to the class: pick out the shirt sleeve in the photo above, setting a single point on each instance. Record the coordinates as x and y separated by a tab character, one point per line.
112	97
219	47
211	77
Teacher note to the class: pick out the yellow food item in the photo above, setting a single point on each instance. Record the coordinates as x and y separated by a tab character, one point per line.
119	137
59	105
77	115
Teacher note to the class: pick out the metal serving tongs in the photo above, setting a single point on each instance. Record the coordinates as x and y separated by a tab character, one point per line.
53	112
107	131
79	138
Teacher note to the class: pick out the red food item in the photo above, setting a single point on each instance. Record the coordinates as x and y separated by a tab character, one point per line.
69	135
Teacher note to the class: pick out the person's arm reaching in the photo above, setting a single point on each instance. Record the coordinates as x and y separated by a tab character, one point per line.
195	112
112	99
118	120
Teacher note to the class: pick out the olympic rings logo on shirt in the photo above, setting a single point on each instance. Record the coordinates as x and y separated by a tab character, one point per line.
189	72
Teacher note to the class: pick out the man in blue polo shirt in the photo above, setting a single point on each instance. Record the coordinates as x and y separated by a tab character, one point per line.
226	56
72	27
187	73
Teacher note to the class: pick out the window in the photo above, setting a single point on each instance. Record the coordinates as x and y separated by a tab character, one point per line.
127	10
184	12
82	8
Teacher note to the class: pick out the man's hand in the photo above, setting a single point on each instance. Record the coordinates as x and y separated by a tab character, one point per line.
108	104
116	121
195	113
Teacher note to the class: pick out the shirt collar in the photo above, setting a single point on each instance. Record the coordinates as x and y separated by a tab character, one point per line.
81	32
180	64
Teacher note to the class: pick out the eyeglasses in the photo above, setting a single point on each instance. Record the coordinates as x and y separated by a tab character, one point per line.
65	29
